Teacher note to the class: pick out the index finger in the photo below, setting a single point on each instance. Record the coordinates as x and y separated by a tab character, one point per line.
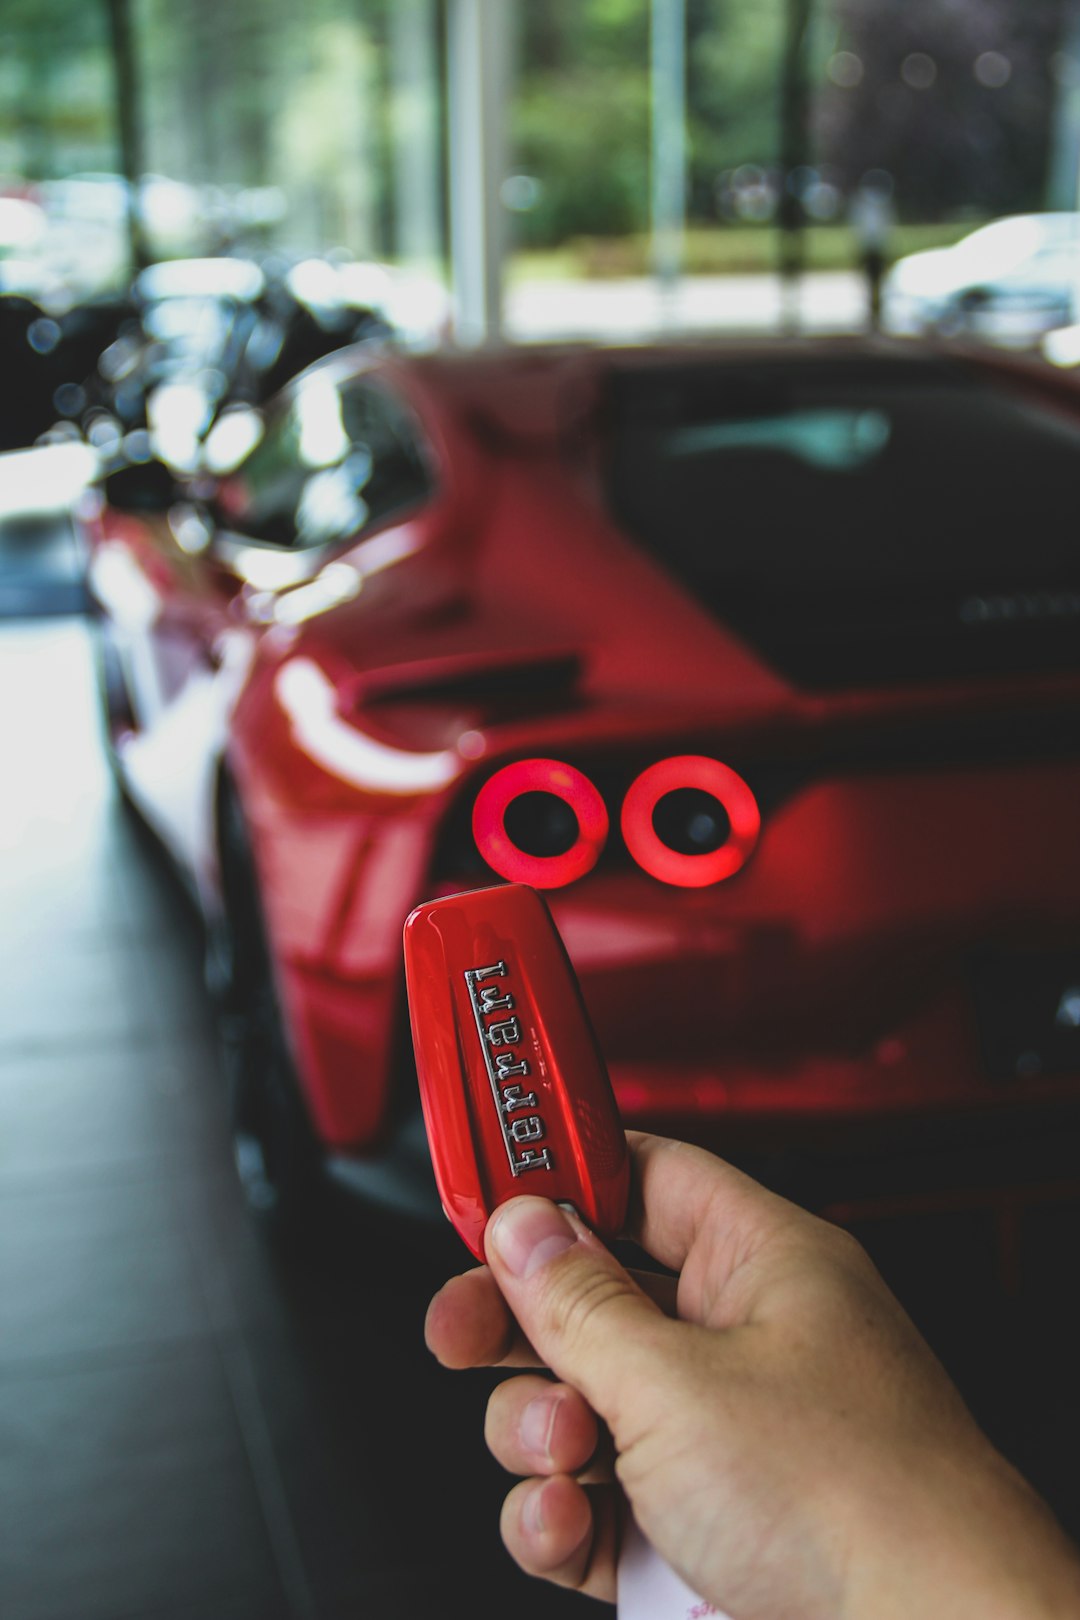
683	1196
469	1323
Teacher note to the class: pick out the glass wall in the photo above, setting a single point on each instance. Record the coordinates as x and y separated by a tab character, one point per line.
279	113
582	129
957	103
868	129
857	131
56	96
57	107
260	125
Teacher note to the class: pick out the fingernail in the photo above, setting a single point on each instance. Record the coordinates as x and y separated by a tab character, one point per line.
532	1512
537	1426
528	1232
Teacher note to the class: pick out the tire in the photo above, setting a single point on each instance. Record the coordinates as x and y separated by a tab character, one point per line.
114	702
275	1151
117	719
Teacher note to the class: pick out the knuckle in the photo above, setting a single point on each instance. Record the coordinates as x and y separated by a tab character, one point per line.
578	1312
845	1248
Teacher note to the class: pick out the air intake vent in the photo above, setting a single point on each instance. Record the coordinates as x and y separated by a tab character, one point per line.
485	681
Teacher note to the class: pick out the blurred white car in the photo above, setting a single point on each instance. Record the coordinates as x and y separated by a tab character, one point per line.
1009	281
22	224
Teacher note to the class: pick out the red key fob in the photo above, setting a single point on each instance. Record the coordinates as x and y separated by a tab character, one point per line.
515	1094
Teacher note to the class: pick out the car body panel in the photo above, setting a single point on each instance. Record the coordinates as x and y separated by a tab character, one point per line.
909	829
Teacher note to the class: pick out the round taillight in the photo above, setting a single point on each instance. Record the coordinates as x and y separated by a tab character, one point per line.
540	822
690	821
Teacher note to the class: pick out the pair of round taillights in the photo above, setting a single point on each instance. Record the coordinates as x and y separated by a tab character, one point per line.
688	821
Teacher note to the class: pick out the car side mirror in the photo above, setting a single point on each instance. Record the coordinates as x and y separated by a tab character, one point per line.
143	486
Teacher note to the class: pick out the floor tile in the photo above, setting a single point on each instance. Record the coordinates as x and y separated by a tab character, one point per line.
71	993
92	1266
127	1489
102	1107
255	1606
372	1441
168	981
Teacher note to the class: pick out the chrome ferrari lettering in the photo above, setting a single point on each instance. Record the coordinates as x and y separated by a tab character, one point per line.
534	1159
508	1066
513	1098
505	1033
497	970
499	1041
529	1129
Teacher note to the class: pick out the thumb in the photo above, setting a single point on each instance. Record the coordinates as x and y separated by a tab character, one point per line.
579	1308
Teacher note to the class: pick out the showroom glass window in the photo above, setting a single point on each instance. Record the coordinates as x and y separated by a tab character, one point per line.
336	460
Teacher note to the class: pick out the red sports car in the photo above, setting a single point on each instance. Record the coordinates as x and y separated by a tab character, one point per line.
763	662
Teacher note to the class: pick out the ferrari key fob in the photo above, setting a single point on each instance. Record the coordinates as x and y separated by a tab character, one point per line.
515	1094
517	1100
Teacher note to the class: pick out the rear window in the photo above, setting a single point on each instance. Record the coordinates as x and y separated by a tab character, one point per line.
858	520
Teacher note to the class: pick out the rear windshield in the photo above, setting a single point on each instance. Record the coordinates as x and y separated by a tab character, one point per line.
858	520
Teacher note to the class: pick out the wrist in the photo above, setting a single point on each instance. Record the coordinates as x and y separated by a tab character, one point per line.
964	1539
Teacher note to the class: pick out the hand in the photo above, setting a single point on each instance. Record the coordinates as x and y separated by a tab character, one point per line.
786	1439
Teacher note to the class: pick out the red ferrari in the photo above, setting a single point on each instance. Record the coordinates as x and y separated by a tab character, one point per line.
764	663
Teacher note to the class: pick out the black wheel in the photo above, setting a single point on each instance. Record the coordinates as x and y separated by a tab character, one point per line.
117	718
276	1154
114	702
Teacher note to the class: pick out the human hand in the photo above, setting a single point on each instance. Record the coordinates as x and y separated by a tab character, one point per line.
786	1440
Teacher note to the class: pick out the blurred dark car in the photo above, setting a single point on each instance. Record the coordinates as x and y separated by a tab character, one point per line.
48	355
194	318
212	332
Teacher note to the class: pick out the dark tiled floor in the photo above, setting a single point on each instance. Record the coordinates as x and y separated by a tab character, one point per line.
191	1426
194	1427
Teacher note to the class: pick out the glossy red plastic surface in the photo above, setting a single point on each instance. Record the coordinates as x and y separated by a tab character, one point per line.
539	776
656	857
515	1094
